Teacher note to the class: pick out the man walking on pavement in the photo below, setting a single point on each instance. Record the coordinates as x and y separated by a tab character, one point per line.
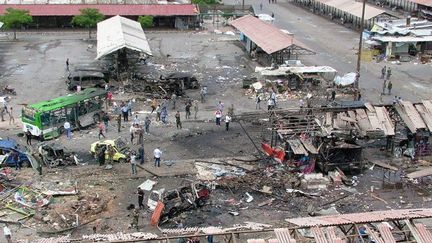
67	64
67	127
11	117
135	217
187	109
227	121
105	119
132	133
389	73
383	72
133	163
178	122
101	130
157	156
111	153
173	100
125	112
389	87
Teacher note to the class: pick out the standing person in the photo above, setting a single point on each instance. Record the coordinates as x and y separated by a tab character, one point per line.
178	122
7	233
164	114
273	97
78	88
133	163
389	87
195	107
67	127
11	117
258	102
301	105
109	98
158	113
333	95
173	100
28	137
389	73
119	118
384	86
218	115
261	6
383	72
15	159
135	218
140	193
67	64
203	93
130	107
101	155
141	153
227	121
187	109
147	125
270	104
101	130
132	133
231	110
136	120
220	106
125	112
2	111
105	119
140	131
157	153
153	105
111	153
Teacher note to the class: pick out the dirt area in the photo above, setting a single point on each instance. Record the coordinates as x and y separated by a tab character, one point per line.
104	194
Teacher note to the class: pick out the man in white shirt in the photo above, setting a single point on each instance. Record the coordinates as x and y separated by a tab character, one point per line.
133	163
157	156
7	233
67	127
227	121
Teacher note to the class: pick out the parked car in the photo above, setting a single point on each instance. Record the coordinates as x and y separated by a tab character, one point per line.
6	147
86	79
121	149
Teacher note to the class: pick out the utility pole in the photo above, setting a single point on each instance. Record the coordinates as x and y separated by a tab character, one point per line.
356	83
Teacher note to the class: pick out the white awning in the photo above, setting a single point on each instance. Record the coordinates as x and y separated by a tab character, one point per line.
117	32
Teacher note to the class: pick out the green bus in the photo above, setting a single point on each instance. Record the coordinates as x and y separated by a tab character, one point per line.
46	119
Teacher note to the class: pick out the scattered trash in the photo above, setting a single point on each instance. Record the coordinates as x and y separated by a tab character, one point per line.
249	198
234	213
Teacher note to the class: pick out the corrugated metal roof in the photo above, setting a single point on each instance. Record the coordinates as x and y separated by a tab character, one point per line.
357	218
354	8
423	2
106	9
265	35
118	32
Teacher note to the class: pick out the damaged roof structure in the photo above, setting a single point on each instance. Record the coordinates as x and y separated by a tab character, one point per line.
259	35
117	33
398	36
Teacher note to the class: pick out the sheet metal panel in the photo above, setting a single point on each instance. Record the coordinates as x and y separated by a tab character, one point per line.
359	218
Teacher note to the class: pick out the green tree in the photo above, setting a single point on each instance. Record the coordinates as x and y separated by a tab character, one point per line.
146	21
88	18
204	2
15	18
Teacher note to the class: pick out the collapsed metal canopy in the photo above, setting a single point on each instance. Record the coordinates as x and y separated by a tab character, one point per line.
118	32
269	38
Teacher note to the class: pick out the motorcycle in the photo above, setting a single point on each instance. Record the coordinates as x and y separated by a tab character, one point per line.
9	90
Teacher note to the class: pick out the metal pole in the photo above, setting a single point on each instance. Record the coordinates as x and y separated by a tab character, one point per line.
356	83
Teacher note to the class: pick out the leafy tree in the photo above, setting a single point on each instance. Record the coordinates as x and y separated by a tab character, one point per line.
146	21
15	18
88	18
204	2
